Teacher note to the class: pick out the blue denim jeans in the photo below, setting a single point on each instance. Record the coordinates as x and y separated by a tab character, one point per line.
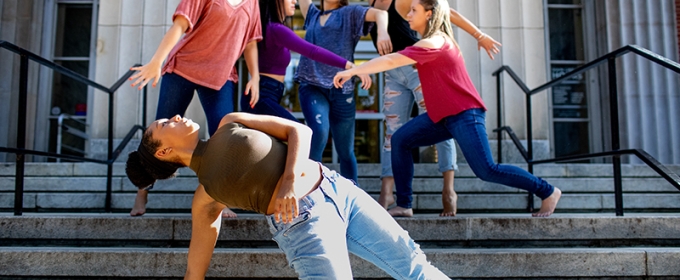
338	218
402	88
176	93
271	92
329	110
469	130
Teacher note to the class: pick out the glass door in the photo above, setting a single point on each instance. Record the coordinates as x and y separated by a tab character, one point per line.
570	112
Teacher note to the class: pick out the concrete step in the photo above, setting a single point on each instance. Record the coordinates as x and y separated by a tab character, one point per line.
461	230
422	203
586	187
500	246
538	263
38	169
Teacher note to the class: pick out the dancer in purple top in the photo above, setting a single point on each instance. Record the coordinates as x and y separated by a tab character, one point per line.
274	57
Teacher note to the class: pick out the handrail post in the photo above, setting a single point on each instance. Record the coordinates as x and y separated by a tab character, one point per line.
530	150
616	141
144	94
21	137
499	135
109	169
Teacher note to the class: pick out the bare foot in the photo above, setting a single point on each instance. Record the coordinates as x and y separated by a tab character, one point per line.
449	196
139	208
386	200
400	212
386	197
227	213
450	203
548	205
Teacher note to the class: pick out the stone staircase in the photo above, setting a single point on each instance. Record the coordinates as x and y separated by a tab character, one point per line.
69	187
64	235
501	246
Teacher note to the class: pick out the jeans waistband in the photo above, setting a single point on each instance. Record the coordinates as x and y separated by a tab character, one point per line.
267	79
321	191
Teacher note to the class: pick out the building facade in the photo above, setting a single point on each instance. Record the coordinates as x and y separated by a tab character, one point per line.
542	40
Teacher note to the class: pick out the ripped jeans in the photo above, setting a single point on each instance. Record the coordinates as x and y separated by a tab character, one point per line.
330	110
402	87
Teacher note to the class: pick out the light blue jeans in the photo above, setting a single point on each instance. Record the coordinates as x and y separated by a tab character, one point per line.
402	88
339	217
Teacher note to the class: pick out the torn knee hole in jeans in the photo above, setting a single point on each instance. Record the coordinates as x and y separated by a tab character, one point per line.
421	104
387	105
392	121
387	146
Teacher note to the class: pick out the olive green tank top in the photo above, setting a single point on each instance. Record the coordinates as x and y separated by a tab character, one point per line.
240	167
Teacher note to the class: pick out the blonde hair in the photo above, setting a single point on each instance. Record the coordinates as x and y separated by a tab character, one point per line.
440	20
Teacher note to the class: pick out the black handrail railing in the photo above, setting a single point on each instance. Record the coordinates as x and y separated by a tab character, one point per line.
616	151
21	150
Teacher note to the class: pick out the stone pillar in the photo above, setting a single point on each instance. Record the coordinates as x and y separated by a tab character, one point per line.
649	99
21	24
677	20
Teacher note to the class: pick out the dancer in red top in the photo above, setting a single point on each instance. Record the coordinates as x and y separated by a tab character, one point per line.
454	110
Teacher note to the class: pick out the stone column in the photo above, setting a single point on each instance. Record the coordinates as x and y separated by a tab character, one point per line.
649	99
21	24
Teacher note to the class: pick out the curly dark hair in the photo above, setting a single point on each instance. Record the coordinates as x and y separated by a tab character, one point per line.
143	171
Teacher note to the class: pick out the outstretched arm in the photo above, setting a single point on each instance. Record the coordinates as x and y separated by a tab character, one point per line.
483	40
376	65
152	70
206	220
304	7
299	137
287	38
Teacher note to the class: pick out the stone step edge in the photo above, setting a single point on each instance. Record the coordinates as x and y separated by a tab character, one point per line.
171	262
574	202
430	227
365	170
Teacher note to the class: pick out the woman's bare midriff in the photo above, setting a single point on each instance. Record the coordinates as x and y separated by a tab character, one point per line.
304	185
273	76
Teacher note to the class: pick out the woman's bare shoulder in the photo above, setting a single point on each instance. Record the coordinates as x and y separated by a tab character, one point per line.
434	42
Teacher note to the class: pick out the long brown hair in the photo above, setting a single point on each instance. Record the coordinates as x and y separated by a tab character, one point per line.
440	20
342	4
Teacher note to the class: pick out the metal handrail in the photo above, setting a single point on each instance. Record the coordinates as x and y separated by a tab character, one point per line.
616	151
21	150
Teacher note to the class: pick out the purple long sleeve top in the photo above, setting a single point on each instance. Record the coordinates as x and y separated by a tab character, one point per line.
274	50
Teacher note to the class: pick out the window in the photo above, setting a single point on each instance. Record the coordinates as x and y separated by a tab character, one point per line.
571	118
74	31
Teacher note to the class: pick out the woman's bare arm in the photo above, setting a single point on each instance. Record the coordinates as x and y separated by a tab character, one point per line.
152	70
206	220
